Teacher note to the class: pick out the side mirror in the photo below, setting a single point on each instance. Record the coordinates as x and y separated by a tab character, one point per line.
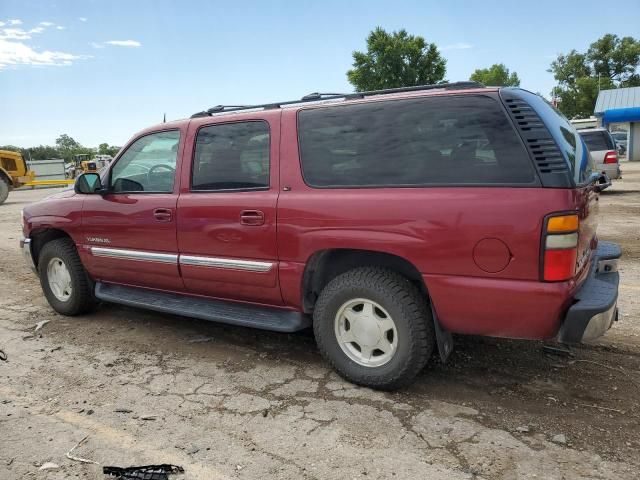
88	183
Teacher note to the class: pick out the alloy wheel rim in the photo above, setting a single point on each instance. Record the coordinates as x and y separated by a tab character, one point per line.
366	332
59	279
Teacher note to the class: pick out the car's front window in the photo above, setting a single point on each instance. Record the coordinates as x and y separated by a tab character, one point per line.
148	165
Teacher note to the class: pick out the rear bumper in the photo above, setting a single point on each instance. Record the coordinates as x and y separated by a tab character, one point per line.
595	308
611	169
25	247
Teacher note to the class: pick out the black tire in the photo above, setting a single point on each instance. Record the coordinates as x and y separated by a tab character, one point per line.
409	310
4	189
81	299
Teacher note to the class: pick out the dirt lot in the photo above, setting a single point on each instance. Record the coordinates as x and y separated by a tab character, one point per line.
228	402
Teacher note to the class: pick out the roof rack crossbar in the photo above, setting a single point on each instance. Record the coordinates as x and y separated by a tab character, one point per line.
316	96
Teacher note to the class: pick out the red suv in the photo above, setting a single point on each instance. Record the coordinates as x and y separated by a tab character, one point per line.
387	220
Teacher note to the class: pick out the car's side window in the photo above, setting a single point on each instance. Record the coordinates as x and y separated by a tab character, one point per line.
231	156
148	165
462	140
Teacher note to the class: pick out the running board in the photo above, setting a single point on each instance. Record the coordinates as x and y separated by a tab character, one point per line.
265	318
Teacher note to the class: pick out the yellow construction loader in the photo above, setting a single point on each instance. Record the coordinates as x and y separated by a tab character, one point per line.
14	173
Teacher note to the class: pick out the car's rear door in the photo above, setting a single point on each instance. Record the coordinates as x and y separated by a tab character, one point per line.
227	208
130	232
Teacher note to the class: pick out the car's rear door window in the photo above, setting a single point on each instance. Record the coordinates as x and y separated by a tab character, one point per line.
598	140
453	140
232	156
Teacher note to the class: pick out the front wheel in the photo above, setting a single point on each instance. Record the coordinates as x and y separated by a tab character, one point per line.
374	326
4	190
64	281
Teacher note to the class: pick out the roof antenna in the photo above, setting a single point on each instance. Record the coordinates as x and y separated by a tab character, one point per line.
164	118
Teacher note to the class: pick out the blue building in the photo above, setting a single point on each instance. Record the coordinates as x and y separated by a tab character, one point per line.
621	105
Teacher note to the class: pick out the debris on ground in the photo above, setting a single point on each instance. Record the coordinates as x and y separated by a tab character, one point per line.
560	438
41	324
523	429
147	472
79	459
123	410
201	340
559	350
49	466
3	356
148	417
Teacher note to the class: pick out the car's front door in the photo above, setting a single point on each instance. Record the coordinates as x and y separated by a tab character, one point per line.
130	231
227	209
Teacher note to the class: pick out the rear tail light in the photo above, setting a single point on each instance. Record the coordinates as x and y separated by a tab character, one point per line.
560	247
611	157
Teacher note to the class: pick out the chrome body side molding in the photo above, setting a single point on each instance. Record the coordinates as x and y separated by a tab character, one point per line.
137	255
227	263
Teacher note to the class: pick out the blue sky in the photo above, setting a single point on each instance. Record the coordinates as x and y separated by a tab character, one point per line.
100	70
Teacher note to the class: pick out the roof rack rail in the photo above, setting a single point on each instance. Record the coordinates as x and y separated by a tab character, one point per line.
316	96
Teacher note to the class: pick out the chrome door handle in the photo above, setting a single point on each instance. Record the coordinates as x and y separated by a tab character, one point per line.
162	214
252	217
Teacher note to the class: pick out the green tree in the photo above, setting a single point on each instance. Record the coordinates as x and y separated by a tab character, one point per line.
616	59
497	75
610	62
396	60
43	152
106	149
11	148
67	147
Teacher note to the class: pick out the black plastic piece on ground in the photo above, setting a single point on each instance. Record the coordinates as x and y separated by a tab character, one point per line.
147	472
265	318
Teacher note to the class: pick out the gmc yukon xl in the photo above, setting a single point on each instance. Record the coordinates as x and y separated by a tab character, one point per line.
385	220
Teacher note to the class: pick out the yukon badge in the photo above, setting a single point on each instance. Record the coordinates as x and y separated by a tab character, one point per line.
98	240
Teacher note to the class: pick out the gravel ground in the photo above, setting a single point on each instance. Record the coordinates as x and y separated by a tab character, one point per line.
227	402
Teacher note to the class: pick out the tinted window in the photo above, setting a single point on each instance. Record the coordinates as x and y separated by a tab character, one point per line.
148	165
232	156
565	135
598	140
426	141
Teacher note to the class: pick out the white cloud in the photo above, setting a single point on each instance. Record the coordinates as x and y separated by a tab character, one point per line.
47	24
457	46
96	45
37	30
13	54
59	27
15	22
124	43
1	24
14	34
82	19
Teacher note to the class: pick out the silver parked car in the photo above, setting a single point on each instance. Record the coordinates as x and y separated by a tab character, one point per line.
622	141
603	150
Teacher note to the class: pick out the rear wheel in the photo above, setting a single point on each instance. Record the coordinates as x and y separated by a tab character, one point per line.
4	190
374	326
64	281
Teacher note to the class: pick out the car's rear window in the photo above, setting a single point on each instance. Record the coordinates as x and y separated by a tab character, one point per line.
565	136
597	141
454	140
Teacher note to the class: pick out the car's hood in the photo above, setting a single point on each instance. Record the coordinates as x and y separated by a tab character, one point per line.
66	193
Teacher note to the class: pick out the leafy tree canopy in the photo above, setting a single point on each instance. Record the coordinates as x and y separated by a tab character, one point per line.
396	59
610	62
496	75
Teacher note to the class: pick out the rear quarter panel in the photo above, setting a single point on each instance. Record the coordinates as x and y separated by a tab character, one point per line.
437	230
